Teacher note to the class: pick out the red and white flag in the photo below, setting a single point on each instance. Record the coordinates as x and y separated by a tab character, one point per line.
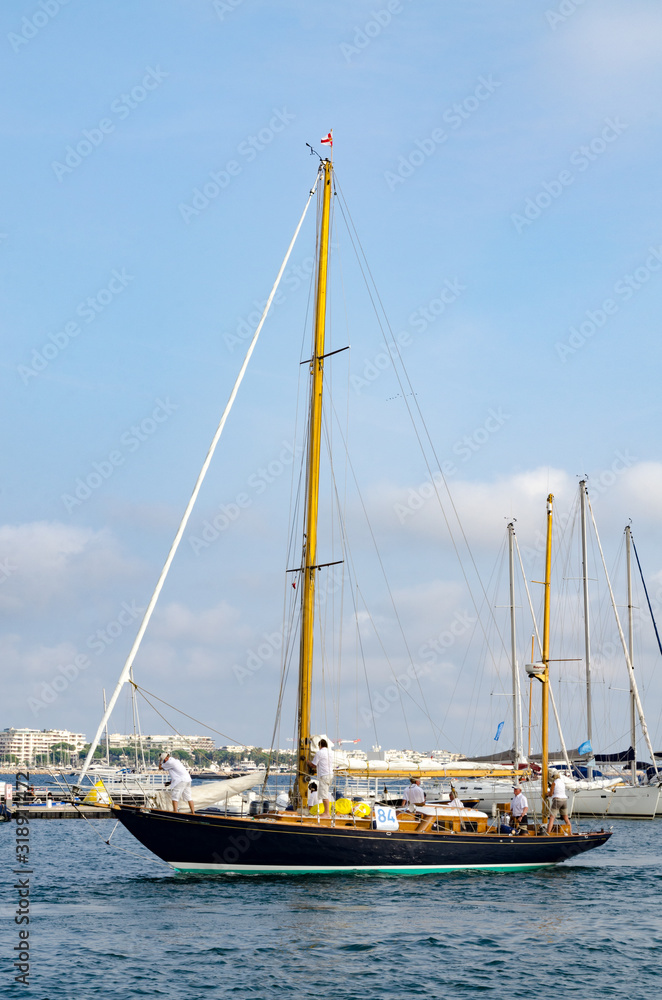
329	139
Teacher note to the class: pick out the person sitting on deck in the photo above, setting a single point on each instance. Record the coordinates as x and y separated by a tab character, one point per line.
455	799
313	794
414	795
519	809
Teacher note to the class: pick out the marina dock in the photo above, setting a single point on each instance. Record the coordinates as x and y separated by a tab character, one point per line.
61	810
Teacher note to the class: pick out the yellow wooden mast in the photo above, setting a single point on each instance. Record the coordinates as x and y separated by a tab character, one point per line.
544	777
312	494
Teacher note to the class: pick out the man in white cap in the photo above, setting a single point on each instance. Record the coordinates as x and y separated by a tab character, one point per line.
519	809
414	795
180	780
559	799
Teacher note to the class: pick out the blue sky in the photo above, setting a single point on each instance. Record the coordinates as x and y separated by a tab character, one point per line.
504	155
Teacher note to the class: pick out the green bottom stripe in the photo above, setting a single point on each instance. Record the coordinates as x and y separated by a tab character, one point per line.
192	869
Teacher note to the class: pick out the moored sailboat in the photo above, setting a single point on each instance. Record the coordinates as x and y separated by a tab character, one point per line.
429	839
623	796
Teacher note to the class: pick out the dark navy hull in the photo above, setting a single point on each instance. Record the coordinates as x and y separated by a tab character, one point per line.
224	844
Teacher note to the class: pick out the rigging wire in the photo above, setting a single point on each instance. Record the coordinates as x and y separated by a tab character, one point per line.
116	847
194	495
353	235
650	607
386	581
144	692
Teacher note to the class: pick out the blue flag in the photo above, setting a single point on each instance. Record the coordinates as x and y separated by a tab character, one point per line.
585	747
498	732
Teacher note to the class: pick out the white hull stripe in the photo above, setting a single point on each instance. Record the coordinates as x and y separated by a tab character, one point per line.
185	866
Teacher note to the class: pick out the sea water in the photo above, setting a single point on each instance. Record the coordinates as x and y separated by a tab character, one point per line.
115	922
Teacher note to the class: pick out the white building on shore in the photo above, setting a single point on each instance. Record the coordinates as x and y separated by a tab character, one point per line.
203	744
26	744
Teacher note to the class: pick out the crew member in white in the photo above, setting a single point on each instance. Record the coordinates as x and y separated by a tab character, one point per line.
559	799
455	799
180	781
323	764
519	808
414	795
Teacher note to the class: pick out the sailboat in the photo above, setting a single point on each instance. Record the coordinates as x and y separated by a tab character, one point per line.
430	839
617	798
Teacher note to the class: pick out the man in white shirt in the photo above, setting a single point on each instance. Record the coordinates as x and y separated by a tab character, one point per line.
455	799
519	808
180	780
414	795
559	799
323	764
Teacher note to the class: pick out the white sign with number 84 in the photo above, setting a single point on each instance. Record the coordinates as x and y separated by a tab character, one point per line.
385	818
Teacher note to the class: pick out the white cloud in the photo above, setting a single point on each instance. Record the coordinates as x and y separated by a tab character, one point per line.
482	506
637	493
178	623
616	39
48	563
605	60
37	662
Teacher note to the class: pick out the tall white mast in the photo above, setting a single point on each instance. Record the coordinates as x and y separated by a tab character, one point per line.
633	707
126	669
626	652
587	631
517	707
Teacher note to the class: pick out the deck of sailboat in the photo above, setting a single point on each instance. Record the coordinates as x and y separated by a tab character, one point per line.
286	842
